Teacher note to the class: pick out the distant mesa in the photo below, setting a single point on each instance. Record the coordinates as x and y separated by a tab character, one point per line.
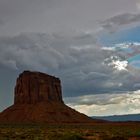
38	99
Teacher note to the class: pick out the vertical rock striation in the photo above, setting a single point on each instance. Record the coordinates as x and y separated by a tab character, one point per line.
34	87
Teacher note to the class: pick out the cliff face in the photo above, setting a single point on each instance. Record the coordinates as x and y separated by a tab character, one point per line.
38	99
34	87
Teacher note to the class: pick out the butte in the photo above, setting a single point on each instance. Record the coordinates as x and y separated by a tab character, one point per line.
38	99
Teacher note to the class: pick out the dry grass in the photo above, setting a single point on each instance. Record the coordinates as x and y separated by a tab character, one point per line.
69	132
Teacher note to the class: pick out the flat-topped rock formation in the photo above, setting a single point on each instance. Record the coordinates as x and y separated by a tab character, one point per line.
38	99
35	87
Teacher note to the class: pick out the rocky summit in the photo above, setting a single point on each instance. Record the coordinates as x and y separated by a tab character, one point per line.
35	87
38	99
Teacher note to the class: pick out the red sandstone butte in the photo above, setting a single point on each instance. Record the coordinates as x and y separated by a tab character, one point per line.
38	99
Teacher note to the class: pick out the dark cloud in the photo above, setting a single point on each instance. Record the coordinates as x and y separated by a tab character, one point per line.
75	59
113	23
7	82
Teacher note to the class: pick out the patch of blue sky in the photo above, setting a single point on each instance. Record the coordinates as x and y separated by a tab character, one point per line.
125	49
127	36
134	58
121	36
135	64
134	61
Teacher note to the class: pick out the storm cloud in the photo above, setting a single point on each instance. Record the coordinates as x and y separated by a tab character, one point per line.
77	58
60	37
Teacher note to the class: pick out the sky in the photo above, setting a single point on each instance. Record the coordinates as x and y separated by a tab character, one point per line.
93	46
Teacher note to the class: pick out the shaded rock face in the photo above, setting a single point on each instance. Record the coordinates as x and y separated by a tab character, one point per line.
34	87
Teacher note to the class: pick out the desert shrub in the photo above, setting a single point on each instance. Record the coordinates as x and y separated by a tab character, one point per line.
114	138
71	137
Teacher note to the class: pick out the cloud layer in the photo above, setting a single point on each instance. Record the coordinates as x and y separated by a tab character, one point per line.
58	15
117	21
76	58
110	104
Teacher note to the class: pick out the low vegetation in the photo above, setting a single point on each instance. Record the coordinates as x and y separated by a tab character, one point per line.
69	132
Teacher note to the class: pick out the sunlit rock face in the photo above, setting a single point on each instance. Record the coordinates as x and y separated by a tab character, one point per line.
34	87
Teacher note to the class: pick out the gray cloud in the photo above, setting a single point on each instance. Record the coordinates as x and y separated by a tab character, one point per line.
58	16
100	104
113	23
101	99
74	58
1	22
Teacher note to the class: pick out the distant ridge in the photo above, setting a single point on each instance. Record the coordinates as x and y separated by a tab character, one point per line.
129	117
